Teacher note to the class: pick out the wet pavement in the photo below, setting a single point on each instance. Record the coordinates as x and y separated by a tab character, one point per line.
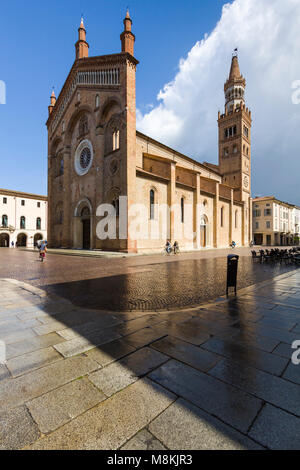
152	282
217	376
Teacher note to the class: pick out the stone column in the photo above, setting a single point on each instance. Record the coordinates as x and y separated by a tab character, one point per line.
50	218
231	217
243	224
197	212
171	198
67	239
216	216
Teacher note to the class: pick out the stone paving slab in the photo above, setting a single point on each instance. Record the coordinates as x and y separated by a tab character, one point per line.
184	426
277	429
80	344
247	356
292	373
4	372
110	352
113	422
21	364
182	331
187	353
17	391
52	410
283	350
17	429
120	374
143	440
267	387
34	344
225	402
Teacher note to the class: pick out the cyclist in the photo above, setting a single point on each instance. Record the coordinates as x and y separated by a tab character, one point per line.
168	247
176	248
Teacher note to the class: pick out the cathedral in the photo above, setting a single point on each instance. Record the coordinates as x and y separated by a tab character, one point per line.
98	159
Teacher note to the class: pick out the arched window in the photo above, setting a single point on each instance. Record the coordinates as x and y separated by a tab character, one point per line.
59	213
236	219
83	126
4	221
222	216
152	204
182	210
38	223
61	167
22	222
116	139
116	205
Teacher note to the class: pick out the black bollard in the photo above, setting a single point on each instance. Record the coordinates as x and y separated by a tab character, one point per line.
232	267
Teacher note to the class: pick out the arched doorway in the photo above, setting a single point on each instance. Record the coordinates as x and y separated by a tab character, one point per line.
22	239
82	225
4	240
86	228
37	238
203	232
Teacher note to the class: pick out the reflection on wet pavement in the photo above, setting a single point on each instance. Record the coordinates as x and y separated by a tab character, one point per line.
161	286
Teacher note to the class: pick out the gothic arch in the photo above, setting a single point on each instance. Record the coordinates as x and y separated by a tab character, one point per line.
80	206
77	115
112	106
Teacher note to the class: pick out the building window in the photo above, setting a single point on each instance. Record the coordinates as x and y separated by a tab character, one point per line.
22	222
236	219
97	101
222	216
38	204
116	205
152	204
22	202
83	126
4	221
257	213
256	224
268	224
61	167
38	223
235	149
182	210
116	139
5	200
246	132
267	211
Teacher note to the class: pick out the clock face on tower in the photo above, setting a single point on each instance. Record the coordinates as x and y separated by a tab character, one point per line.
246	182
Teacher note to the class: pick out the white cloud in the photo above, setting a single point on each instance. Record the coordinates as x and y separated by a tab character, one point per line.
267	35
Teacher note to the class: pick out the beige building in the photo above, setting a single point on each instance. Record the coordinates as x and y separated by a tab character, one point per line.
23	218
275	222
97	157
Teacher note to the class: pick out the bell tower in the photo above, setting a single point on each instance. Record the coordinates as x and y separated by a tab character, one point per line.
235	135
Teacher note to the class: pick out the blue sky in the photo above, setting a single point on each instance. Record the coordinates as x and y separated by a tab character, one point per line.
184	49
38	50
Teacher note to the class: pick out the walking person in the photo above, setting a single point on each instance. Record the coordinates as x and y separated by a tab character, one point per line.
43	250
12	244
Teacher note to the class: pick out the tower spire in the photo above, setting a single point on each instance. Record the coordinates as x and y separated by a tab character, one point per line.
52	101
235	85
81	46
127	37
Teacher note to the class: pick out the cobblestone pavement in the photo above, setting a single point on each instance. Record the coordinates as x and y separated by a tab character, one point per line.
218	376
150	282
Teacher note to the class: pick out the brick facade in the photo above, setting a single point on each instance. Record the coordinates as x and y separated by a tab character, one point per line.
96	155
